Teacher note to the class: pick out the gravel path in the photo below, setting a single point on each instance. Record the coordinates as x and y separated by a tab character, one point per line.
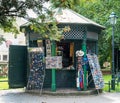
19	96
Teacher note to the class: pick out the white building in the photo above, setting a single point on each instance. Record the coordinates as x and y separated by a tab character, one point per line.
10	40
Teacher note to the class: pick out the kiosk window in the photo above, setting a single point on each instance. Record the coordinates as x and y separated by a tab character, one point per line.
66	50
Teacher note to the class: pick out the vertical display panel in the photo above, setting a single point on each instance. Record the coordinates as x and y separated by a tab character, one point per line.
95	70
37	69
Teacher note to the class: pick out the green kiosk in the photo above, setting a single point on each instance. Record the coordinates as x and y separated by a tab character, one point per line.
60	61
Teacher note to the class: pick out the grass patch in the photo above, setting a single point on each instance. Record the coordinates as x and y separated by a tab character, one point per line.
4	83
3	78
107	78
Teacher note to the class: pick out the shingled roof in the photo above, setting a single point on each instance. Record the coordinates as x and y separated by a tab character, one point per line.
70	16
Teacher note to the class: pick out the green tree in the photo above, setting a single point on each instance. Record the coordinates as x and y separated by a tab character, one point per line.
65	3
99	11
10	9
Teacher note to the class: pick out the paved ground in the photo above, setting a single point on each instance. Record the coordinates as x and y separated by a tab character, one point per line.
19	96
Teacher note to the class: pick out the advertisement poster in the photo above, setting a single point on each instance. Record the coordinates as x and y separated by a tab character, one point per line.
54	62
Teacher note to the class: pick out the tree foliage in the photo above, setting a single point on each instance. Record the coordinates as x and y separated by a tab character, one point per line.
1	39
65	3
99	11
10	9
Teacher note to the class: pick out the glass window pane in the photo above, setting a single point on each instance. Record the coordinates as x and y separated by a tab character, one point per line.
4	57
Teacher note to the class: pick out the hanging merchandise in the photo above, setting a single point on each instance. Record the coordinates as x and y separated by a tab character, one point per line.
37	69
95	70
48	47
80	75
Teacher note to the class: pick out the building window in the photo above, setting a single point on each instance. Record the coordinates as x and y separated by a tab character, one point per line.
4	57
0	58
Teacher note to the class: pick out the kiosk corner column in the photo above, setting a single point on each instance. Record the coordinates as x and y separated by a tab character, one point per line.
53	85
84	66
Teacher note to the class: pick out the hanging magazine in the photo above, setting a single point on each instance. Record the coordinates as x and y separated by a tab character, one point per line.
95	70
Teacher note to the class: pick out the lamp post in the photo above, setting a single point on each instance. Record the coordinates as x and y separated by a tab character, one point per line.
112	19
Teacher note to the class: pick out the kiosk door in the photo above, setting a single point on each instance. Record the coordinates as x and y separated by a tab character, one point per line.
17	73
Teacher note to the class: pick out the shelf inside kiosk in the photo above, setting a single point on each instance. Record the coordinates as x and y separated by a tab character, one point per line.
66	51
